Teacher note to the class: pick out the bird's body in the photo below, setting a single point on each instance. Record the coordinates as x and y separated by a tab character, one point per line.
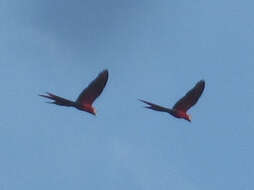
86	98
179	110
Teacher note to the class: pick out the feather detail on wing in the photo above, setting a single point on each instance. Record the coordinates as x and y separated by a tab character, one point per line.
191	97
94	89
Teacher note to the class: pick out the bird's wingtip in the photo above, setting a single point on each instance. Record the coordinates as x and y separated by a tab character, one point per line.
105	71
202	81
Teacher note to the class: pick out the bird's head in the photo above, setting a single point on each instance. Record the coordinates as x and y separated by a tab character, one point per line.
89	109
92	110
187	117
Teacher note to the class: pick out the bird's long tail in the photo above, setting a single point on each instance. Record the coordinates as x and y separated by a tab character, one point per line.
155	107
58	100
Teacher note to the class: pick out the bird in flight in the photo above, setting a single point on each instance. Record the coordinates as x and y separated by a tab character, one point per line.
86	98
181	107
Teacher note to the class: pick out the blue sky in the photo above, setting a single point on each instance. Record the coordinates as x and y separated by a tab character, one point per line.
155	50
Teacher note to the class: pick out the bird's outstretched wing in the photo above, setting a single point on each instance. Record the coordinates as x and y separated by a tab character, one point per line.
155	107
94	89
190	97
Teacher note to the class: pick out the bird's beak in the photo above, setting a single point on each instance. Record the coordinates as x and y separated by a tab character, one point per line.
94	111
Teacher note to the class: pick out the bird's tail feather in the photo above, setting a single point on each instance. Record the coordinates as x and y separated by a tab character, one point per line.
155	107
58	100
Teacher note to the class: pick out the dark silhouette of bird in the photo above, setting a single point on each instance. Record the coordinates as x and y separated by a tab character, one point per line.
181	107
86	98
